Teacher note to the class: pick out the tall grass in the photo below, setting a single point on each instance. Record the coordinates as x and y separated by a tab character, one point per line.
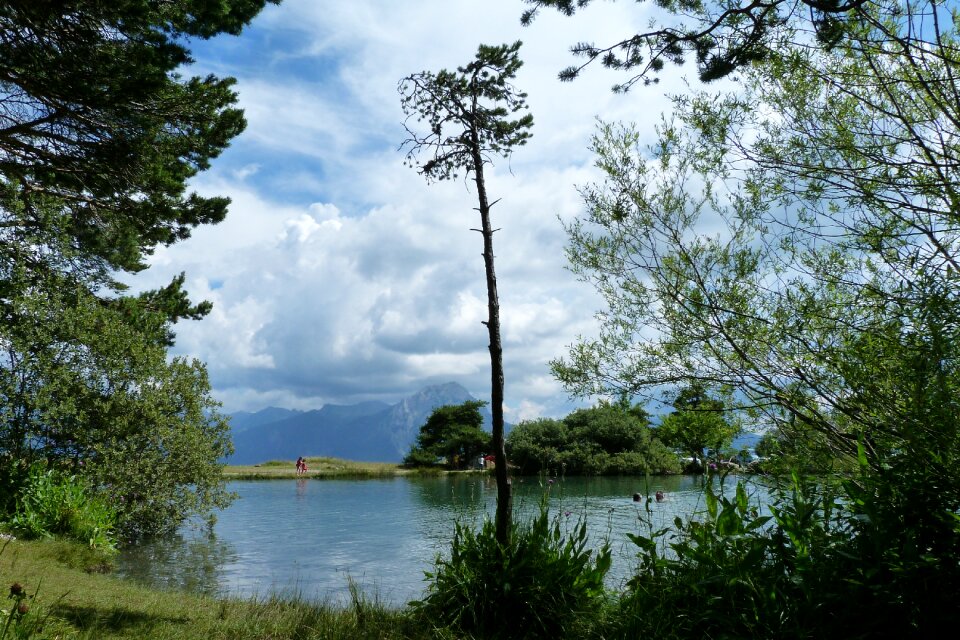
714	579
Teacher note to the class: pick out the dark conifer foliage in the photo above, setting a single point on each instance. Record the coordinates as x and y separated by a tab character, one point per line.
720	36
93	111
101	128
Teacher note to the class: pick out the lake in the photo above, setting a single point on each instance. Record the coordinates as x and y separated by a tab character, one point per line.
312	537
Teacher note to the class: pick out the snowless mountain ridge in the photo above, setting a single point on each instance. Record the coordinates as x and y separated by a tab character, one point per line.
368	431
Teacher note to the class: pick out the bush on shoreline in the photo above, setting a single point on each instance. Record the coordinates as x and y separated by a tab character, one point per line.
544	584
53	503
604	440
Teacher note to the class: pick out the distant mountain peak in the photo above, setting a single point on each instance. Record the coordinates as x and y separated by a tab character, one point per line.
373	431
453	392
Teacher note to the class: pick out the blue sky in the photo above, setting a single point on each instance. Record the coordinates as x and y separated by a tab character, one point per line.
339	274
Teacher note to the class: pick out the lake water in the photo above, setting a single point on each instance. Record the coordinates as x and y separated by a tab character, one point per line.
313	537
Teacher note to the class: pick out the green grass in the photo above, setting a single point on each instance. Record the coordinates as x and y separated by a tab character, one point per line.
71	598
316	468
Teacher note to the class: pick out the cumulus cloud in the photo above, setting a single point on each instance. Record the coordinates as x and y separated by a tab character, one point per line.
339	274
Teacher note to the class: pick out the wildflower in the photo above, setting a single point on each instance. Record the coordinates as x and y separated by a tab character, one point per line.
16	589
551	481
566	513
713	466
23	608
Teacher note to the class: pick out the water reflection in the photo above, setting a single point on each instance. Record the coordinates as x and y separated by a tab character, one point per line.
301	488
192	560
454	494
313	536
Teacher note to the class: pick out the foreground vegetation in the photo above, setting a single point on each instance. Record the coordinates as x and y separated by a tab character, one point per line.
816	565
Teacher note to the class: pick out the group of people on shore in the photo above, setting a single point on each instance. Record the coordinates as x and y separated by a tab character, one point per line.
301	466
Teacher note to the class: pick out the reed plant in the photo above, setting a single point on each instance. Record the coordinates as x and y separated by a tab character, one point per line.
735	572
826	560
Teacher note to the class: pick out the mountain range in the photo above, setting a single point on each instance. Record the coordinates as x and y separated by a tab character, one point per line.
368	431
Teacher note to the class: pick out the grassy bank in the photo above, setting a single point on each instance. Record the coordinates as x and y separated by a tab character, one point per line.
316	468
75	600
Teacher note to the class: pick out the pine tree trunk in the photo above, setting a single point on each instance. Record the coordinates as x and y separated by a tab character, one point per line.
504	497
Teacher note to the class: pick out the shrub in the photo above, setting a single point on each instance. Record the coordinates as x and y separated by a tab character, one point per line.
604	440
53	503
420	458
543	584
818	566
13	476
718	578
538	445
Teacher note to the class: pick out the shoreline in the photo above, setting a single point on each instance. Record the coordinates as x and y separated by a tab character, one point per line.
326	468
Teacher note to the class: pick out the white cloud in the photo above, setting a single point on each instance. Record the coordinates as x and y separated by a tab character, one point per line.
527	411
339	274
245	172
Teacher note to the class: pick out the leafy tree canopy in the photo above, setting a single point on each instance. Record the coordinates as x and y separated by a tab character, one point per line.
100	132
698	423
88	388
607	439
828	281
452	432
467	113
